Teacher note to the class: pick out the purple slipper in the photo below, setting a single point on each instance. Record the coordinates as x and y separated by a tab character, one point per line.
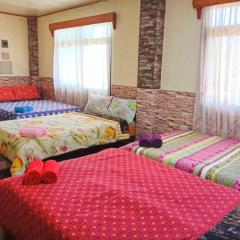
156	141
145	140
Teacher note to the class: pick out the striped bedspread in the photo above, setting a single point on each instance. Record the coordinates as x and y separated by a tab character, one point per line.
40	108
209	157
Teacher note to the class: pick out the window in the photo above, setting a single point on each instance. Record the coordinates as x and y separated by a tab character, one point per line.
217	110
221	60
82	61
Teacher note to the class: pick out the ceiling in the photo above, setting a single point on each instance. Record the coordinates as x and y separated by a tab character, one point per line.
39	7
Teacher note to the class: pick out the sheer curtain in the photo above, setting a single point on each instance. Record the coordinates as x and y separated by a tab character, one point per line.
217	109
82	62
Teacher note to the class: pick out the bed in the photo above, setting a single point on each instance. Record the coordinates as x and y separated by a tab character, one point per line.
65	133
40	108
116	194
209	157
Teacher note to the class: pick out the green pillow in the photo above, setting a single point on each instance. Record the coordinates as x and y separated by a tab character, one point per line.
124	109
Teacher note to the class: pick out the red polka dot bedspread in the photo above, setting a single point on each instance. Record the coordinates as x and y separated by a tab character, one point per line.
114	194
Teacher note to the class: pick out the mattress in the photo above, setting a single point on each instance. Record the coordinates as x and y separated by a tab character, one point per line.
209	157
116	194
41	108
64	133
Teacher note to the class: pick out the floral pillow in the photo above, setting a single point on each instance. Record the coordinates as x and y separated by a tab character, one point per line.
98	104
123	108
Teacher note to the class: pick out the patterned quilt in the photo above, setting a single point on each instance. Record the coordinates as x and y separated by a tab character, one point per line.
65	133
116	194
40	108
210	157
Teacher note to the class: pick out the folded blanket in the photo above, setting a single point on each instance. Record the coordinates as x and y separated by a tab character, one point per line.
33	131
23	109
145	140
156	141
34	173
50	172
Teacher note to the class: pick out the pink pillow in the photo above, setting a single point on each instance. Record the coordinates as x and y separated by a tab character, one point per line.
26	92
6	94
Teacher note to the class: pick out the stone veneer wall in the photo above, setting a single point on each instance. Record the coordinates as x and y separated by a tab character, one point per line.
47	88
126	92
151	43
176	110
159	110
45	84
33	46
11	81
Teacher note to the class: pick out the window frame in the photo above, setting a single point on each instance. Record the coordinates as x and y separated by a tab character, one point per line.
200	4
102	18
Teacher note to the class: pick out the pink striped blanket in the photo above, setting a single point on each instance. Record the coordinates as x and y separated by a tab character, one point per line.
209	157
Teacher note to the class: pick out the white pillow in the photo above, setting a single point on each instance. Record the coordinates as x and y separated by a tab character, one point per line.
98	104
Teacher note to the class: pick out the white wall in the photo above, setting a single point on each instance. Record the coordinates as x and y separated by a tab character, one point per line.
15	30
125	37
181	47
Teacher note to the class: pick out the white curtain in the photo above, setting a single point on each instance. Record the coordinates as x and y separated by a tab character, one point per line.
217	109
82	62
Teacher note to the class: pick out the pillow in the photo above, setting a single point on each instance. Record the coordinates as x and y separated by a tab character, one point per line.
123	108
6	94
98	104
123	124
26	92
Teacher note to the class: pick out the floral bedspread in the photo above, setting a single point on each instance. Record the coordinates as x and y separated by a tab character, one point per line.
65	133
